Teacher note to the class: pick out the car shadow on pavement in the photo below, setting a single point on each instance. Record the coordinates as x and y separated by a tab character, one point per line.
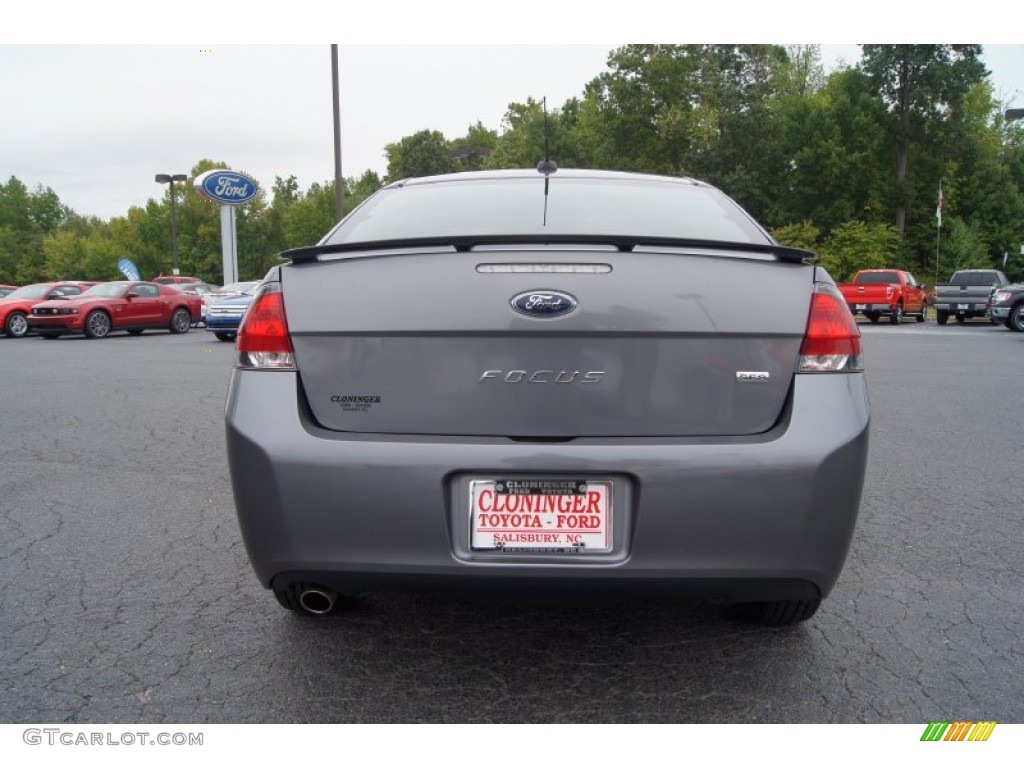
409	658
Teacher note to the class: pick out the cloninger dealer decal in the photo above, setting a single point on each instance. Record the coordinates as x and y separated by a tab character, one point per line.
355	402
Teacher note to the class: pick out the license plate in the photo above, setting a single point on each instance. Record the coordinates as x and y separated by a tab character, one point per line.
540	515
963	306
861	307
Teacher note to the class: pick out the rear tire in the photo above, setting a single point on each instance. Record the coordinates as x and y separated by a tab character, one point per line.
924	314
897	316
960	319
181	320
941	317
873	317
224	336
782	613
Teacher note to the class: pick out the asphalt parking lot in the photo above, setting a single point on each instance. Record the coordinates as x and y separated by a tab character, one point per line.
126	595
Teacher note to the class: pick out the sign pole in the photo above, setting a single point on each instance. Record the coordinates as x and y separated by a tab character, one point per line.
228	244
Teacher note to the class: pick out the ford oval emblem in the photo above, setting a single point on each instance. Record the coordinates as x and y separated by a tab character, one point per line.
225	187
543	303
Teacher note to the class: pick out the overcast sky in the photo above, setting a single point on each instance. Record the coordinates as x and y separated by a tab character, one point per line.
96	122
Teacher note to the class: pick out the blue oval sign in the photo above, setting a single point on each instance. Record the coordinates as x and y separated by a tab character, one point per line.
225	187
543	303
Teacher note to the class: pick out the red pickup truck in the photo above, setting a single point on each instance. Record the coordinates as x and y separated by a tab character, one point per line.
891	293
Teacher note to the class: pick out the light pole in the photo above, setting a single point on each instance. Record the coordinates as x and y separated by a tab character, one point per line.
164	178
1011	115
338	181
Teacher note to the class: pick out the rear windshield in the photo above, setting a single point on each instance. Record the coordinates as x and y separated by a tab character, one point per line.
975	278
575	206
876	278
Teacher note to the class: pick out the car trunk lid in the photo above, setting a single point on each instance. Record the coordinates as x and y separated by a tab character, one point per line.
661	342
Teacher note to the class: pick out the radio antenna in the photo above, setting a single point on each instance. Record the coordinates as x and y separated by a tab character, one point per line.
546	166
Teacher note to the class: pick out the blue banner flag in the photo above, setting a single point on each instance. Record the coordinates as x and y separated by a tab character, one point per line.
128	269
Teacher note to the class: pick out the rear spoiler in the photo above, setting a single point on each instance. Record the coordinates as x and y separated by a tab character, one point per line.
782	252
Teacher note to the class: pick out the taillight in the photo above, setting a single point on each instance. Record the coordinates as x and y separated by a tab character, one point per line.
263	338
832	341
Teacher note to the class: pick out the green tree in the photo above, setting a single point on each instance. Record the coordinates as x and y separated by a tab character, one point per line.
833	148
472	150
745	155
919	84
646	113
855	245
701	110
961	248
426	153
526	133
64	254
100	257
22	257
14	206
357	190
311	217
802	235
286	191
988	196
804	74
45	210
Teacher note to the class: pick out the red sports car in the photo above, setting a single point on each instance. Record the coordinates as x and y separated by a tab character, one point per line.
117	306
16	306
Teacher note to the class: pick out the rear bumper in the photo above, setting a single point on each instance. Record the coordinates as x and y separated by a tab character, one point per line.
214	323
964	308
881	309
764	517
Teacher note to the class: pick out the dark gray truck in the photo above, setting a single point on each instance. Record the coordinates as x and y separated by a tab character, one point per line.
967	294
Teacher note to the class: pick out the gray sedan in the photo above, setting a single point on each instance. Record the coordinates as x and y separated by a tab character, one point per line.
567	384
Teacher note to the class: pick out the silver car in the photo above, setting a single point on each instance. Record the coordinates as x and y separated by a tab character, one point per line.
554	383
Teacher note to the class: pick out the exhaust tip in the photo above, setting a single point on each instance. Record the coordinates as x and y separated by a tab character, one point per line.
318	600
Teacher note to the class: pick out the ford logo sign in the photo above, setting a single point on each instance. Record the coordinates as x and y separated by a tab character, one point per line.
543	303
225	187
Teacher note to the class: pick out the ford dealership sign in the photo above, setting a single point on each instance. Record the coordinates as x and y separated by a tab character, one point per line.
225	187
